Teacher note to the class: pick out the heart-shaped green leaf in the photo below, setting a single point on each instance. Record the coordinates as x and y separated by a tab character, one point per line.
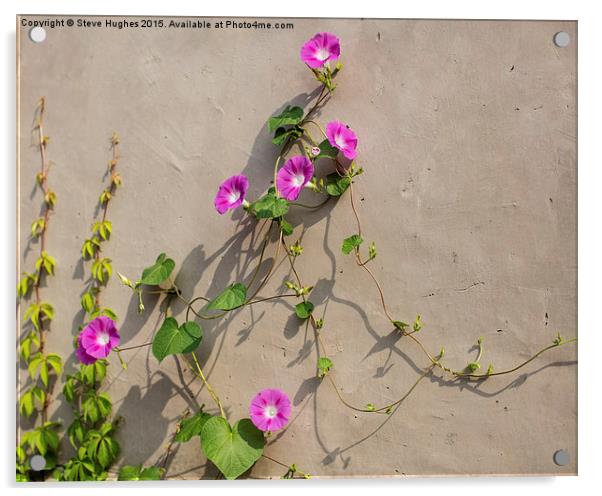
304	309
336	185
192	426
289	116
350	243
327	150
159	271
233	450
269	206
232	297
171	339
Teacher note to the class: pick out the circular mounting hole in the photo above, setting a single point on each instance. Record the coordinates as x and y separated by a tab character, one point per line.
37	463
37	34
562	39
561	457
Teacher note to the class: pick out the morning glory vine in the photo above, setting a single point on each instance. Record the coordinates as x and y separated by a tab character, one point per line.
234	446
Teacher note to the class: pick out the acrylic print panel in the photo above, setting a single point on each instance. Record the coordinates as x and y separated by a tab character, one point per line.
452	142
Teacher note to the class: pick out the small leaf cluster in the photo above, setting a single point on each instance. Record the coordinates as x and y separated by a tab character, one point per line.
286	125
153	275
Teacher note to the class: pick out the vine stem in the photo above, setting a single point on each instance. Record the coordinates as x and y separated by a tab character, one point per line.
208	386
321	344
288	467
105	206
385	408
437	362
42	139
169	447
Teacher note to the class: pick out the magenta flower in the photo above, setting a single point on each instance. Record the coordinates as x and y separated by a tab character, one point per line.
231	193
341	137
97	340
320	49
293	176
270	410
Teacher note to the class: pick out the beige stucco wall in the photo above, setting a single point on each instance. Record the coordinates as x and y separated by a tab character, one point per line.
467	133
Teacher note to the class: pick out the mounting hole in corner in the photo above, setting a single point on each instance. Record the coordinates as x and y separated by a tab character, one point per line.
561	457
562	39
37	463
37	34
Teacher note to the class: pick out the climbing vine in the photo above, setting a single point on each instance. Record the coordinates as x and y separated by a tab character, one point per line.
92	432
234	446
43	367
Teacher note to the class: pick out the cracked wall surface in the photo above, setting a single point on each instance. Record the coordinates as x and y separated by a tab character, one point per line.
467	134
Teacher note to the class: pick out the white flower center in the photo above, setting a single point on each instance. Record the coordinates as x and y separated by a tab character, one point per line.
322	54
270	411
103	338
233	197
298	180
340	141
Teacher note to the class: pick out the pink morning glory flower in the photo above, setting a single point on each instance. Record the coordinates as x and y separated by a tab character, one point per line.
270	410
231	193
293	176
340	136
97	340
322	48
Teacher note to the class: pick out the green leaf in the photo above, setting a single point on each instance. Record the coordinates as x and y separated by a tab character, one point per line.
336	185
232	297
25	284
76	433
26	404
282	134
102	447
37	227
87	302
327	151
33	314
152	473
134	473
102	270
34	364
350	243
69	389
233	450
402	326
103	228
56	362
304	309
290	116
129	473
192	426
171	339
324	366
269	206
159	271
473	367
286	227
372	251
417	324
44	372
32	339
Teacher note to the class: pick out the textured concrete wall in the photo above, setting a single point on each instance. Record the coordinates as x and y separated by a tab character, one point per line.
468	137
